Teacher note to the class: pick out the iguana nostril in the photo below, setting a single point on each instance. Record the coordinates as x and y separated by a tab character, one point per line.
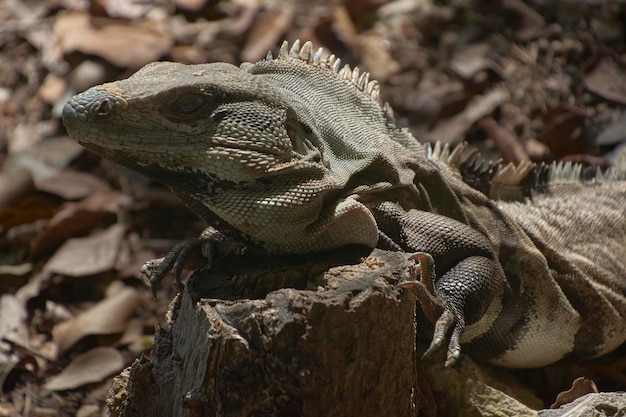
104	108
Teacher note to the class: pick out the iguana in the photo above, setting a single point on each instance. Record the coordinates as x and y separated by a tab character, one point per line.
296	154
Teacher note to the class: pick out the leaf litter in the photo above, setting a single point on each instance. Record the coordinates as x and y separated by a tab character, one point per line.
520	80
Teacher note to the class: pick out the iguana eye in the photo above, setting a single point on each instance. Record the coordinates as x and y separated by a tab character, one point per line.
190	106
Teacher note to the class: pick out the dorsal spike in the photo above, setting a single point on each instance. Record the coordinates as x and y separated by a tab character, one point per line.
375	92
370	87
363	80
455	156
355	76
284	50
512	175
388	109
428	148
306	53
318	56
336	65
600	177
346	72
294	52
436	153
359	79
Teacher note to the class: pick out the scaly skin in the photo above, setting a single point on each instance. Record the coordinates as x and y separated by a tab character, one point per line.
295	155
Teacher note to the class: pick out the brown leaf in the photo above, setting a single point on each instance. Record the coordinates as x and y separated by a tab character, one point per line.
127	9
90	255
120	43
564	131
613	132
52	88
13	326
580	387
508	145
528	23
191	5
453	129
92	366
608	80
72	185
109	316
471	59
74	219
265	32
14	186
13	329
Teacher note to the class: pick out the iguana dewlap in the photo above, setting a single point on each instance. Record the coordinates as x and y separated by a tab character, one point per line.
295	154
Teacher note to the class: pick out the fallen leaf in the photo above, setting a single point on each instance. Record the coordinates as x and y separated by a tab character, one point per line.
13	330
508	145
14	186
109	316
471	59
89	255
127	9
72	185
580	387
614	132
376	57
608	80
122	44
453	129
528	23
92	366
75	219
564	131
265	32
191	5
13	326
52	88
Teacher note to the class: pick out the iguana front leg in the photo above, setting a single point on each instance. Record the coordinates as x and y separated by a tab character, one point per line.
465	287
211	246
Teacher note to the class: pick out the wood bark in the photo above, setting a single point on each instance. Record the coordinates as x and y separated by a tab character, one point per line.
345	348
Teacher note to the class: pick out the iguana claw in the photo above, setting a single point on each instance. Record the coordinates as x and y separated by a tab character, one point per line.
434	308
191	254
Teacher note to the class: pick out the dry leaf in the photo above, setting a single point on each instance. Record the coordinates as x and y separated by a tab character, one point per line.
14	186
265	32
453	129
127	9
74	219
470	60
614	132
508	145
191	5
121	44
564	131
109	316
608	80
72	185
580	387
13	326
92	366
89	255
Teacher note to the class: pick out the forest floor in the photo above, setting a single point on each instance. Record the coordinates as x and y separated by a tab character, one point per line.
533	80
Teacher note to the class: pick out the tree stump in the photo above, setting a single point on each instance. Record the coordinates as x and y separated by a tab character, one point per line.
346	348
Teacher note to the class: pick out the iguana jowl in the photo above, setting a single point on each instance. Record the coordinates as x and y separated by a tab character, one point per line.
295	154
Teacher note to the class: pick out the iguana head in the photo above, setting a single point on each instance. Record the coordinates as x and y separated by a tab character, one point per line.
276	150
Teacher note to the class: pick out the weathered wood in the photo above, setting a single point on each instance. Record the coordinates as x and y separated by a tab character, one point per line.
345	349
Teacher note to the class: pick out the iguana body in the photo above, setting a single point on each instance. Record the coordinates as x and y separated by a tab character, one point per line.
295	155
